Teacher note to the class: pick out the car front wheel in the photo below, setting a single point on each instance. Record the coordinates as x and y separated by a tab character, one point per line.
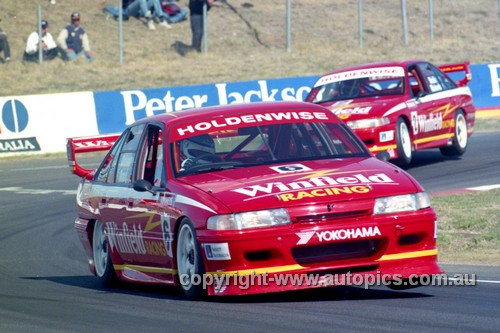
460	139
403	142
189	261
102	259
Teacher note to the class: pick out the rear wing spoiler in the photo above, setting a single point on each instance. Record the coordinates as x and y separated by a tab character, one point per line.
458	67
89	144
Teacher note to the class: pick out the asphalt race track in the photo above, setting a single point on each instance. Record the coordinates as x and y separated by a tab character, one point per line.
45	284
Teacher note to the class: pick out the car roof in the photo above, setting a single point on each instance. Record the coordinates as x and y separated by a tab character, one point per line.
172	118
375	64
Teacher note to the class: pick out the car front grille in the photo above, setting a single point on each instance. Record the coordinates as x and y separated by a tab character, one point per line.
336	251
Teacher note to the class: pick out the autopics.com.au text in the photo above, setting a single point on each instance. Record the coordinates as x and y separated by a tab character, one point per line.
316	280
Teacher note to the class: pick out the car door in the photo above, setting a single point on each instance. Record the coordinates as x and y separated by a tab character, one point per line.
148	209
427	112
124	237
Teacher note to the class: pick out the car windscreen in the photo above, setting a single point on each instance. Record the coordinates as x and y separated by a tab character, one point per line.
358	84
228	148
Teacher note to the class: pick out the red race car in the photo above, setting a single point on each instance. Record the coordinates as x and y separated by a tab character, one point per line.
400	107
267	191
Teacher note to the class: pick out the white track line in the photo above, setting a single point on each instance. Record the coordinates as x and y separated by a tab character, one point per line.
47	167
484	188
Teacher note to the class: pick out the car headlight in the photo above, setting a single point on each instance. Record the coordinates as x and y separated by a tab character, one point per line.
368	123
245	220
401	203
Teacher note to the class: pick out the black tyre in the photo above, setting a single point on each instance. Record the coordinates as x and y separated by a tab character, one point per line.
460	139
189	260
403	142
102	260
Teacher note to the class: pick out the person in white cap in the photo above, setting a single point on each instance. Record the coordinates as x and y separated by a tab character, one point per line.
74	40
49	46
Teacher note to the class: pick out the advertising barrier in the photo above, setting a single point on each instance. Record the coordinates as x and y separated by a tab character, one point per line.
41	123
117	109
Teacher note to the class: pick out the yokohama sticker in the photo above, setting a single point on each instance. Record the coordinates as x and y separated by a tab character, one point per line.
336	235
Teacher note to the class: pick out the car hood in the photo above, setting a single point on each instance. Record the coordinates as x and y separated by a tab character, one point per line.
321	181
362	108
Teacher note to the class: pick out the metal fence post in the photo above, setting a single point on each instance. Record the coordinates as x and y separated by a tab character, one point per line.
205	42
288	25
431	21
40	43
360	23
120	29
403	17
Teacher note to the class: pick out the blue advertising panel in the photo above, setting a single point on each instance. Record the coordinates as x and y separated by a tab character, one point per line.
117	109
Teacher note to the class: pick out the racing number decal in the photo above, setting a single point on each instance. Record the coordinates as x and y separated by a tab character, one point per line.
290	168
167	234
414	122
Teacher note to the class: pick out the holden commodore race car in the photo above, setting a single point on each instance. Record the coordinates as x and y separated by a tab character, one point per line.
262	189
400	107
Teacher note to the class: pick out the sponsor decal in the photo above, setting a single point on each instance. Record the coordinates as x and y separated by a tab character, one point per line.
127	240
15	118
19	145
343	111
155	248
322	192
386	136
290	168
272	117
94	143
434	122
167	234
395	71
316	186
340	234
305	237
217	251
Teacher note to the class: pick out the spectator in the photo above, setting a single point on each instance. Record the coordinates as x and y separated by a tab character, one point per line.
196	18
4	45
74	40
148	9
50	49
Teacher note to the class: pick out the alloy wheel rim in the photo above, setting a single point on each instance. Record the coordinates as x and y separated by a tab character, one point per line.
405	139
461	132
100	250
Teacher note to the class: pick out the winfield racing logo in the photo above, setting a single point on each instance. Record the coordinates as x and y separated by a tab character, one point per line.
335	235
316	187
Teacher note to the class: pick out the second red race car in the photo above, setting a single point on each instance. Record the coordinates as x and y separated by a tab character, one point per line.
266	191
400	107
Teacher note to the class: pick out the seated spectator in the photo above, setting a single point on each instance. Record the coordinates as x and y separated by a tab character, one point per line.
49	46
4	46
74	40
148	9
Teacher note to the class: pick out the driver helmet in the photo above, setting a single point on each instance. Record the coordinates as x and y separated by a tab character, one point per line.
196	146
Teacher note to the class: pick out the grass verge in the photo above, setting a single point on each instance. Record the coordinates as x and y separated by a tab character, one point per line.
469	227
487	125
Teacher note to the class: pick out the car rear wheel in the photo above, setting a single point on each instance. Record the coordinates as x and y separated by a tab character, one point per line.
102	259
189	261
403	142
460	139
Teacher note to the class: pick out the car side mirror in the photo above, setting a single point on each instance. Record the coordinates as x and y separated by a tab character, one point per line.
421	94
142	185
383	156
